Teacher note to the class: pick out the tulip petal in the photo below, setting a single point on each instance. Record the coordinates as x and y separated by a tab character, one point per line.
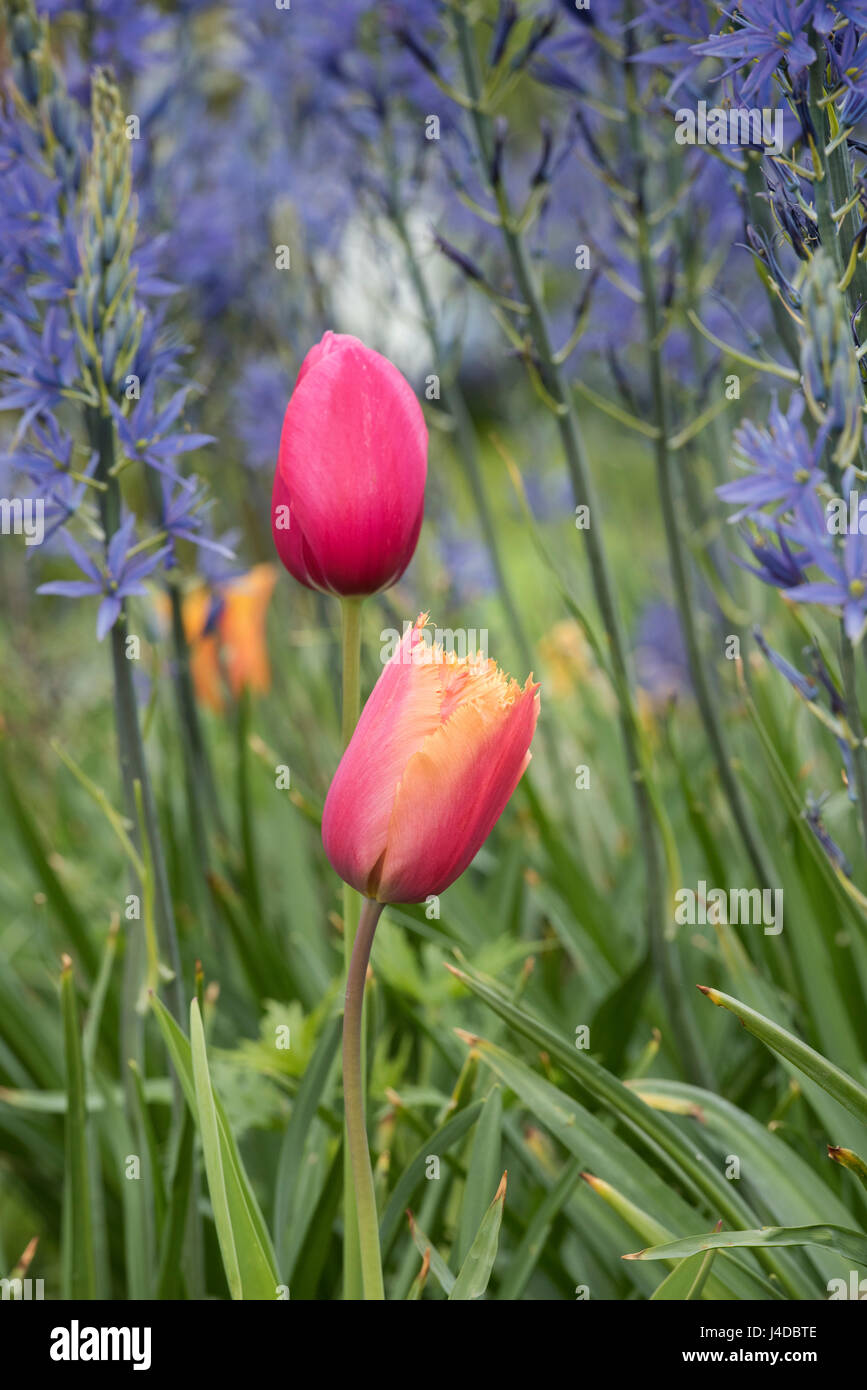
289	538
400	715
452	793
353	458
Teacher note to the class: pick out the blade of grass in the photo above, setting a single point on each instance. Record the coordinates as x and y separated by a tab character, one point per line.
79	1271
482	1172
524	1260
212	1151
439	1143
836	1083
252	1242
686	1281
304	1107
428	1251
475	1272
593	1143
851	1244
169	1275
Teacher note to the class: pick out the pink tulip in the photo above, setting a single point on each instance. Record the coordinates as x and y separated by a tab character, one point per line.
349	489
440	747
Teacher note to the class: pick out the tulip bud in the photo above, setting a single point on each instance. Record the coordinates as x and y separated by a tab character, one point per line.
348	493
440	747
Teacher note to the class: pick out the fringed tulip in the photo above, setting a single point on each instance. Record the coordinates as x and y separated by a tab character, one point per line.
349	488
440	747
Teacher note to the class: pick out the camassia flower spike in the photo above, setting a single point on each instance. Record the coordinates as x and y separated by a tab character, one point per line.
440	746
348	496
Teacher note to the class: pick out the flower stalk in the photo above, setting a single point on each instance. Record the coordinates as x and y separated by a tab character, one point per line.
350	615
366	1221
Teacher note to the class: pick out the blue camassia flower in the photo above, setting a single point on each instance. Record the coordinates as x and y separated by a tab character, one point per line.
183	516
121	577
41	363
45	458
767	33
847	51
845	585
683	23
777	565
148	434
782	459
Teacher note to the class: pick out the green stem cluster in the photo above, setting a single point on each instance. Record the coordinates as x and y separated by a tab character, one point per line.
578	464
665	477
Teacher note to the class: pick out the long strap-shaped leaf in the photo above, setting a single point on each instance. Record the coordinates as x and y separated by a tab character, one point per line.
438	1143
664	1139
79	1275
836	1082
257	1266
475	1272
850	1244
686	1281
212	1150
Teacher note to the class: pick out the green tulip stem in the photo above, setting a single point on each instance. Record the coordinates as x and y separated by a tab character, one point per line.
353	1102
350	612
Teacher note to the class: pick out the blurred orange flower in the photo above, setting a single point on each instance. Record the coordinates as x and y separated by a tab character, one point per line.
225	629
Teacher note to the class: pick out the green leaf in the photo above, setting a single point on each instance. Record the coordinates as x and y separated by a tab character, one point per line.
418	1283
319	1236
836	1083
257	1266
787	1190
176	1218
526	1257
439	1143
612	1025
428	1251
686	1280
652	1231
58	898
484	1167
307	1100
851	1244
213	1155
848	1159
475	1272
658	1133
79	1269
593	1143
147	1130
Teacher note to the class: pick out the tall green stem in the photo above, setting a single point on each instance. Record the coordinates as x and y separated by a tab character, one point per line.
665	963
853	716
133	764
353	1100
350	614
836	183
678	562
